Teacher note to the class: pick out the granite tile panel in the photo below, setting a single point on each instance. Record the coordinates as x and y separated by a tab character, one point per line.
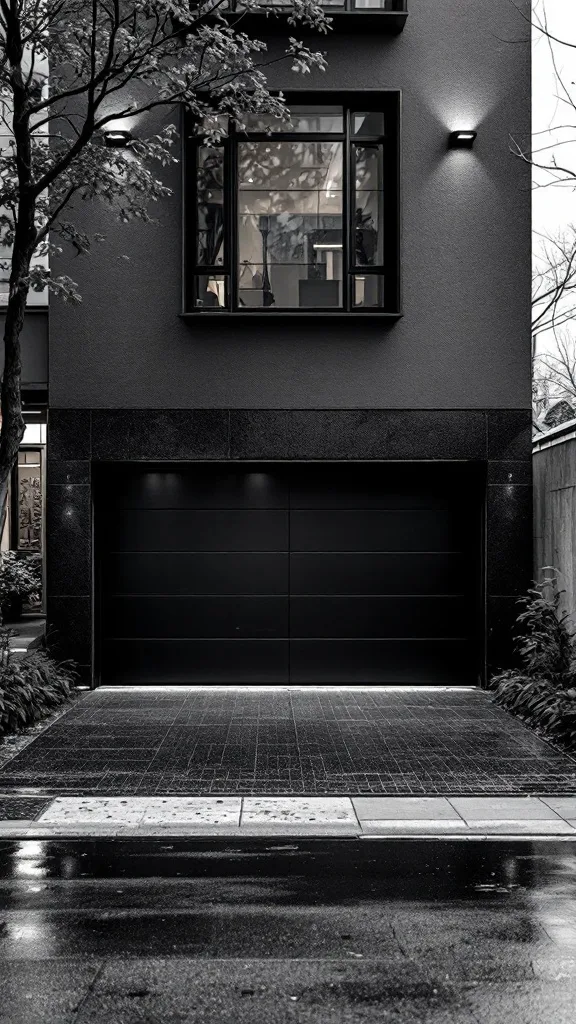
69	626
509	539
68	471
68	434
502	615
357	434
165	434
68	532
510	471
509	434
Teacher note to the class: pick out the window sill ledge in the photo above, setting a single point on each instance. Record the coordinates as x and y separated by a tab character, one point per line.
288	315
29	309
368	20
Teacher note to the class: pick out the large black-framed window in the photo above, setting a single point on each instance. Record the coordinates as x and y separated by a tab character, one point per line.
348	5
299	220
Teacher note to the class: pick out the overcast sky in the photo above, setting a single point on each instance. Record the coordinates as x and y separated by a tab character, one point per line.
554	206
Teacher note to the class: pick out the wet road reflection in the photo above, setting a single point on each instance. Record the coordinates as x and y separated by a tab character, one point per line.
331	931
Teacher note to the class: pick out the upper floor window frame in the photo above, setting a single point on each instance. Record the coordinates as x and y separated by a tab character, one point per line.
228	271
386	16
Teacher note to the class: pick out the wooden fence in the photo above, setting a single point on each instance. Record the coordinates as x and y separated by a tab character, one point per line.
555	509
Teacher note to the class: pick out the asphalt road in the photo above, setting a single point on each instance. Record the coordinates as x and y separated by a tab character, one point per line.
331	932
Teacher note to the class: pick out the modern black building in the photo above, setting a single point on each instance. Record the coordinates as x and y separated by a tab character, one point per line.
289	438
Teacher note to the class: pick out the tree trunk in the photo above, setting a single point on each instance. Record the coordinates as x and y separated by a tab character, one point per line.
12	427
12	430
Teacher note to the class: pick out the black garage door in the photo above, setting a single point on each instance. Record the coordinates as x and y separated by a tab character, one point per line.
303	574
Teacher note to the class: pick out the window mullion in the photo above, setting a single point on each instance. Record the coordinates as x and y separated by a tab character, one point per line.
390	248
232	195
191	218
348	177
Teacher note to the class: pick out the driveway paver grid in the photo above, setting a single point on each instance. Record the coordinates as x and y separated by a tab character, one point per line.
316	741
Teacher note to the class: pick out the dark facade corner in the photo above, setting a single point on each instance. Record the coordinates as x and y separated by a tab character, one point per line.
146	462
329	492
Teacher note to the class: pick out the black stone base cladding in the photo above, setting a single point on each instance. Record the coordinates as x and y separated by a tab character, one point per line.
78	437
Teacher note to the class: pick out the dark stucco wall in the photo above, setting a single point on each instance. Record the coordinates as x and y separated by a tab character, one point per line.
464	339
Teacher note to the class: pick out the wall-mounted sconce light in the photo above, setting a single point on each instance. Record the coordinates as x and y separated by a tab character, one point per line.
461	139
117	139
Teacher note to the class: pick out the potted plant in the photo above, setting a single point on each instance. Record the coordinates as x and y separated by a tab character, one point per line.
17	581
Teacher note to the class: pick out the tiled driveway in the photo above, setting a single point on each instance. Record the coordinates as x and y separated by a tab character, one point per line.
198	741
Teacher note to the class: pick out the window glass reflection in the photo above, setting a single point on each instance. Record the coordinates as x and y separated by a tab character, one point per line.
210	191
368	290
290	224
380	5
370	122
368	205
211	291
214	124
325	119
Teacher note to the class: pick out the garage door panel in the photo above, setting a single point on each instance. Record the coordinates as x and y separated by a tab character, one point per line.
182	662
357	573
431	662
198	584
196	573
413	486
378	617
237	617
198	530
369	530
200	487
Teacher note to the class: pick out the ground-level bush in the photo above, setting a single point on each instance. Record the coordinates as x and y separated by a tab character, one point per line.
549	710
542	690
31	686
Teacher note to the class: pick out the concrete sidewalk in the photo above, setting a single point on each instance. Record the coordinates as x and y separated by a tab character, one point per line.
286	817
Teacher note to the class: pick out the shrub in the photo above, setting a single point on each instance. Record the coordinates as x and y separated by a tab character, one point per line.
542	690
18	580
30	686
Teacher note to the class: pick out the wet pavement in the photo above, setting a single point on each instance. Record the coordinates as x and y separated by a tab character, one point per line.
327	932
188	741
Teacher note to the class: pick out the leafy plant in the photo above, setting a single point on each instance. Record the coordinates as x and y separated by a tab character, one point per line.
17	578
73	72
30	686
545	642
551	711
542	690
